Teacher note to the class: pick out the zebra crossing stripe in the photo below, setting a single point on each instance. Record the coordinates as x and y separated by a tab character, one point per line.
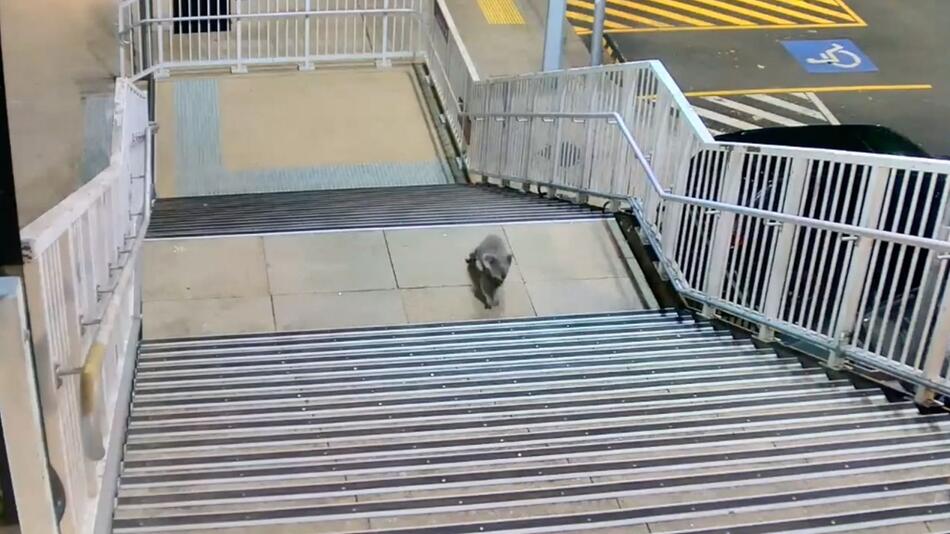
758	110
753	111
724	119
790	106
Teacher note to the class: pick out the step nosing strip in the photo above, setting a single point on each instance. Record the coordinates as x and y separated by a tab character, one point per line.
591	491
425	429
577	439
606	382
630	409
591	468
815	387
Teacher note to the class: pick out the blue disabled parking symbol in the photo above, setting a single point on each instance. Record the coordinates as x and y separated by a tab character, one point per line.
823	57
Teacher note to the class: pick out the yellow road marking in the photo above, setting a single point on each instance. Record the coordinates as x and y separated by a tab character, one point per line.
661	12
587	18
826	89
702	11
619	14
695	15
817	9
748	12
854	15
789	12
501	12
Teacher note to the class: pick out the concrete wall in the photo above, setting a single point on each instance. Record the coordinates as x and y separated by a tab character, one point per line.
59	59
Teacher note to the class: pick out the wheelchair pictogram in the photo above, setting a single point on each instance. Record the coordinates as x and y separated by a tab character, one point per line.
830	56
836	56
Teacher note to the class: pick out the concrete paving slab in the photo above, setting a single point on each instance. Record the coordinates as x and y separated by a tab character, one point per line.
200	317
204	268
344	261
511	49
567	251
552	297
458	303
436	257
305	311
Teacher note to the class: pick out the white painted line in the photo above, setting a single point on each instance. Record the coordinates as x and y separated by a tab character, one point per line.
790	106
753	111
823	108
724	119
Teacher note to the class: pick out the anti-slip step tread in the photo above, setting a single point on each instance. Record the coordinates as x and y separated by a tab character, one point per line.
153	346
543	424
355	209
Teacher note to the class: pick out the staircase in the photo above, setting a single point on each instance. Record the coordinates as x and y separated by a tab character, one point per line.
357	209
629	422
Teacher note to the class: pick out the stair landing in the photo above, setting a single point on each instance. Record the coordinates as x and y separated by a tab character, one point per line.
340	279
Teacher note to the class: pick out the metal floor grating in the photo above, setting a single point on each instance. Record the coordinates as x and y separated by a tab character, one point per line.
626	422
352	209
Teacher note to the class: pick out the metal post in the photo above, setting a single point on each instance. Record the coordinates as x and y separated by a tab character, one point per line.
597	34
307	64
161	71
383	61
939	348
239	67
554	35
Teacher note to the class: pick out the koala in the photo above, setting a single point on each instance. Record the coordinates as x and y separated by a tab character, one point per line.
489	264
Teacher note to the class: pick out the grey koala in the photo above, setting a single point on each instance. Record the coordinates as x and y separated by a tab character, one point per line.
488	265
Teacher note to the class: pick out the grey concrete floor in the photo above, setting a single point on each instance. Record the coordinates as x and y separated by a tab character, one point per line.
360	278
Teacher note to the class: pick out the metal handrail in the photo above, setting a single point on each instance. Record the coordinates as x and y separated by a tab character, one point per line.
277	15
616	118
90	374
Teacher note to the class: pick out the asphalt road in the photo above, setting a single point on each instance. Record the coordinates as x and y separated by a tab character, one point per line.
906	41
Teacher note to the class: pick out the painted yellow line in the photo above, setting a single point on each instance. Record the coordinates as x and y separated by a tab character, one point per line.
827	89
817	9
786	12
702	11
501	12
851	12
835	3
747	12
619	14
644	8
734	28
589	19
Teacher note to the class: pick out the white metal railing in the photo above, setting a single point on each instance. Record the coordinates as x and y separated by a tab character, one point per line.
815	243
157	36
845	250
451	70
80	275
